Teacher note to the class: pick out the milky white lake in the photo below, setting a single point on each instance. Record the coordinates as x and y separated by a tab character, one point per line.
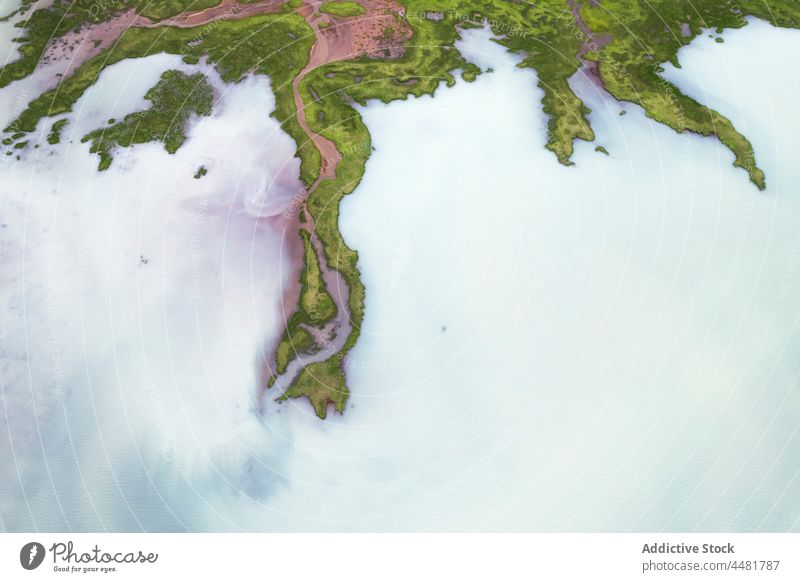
607	346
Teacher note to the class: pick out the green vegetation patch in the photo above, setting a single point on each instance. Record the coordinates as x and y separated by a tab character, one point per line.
322	383
647	34
316	307
277	45
342	8
295	341
551	36
315	301
54	136
174	100
624	41
48	24
329	93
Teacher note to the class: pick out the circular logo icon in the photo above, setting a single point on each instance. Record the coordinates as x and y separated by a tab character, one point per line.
31	555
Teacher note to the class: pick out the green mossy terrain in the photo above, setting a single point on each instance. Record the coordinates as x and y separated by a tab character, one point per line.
54	136
316	307
277	45
61	18
550	36
174	99
296	340
315	301
322	383
332	115
342	8
647	34
624	41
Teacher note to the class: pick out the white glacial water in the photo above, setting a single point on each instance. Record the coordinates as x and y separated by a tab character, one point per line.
609	346
138	302
605	346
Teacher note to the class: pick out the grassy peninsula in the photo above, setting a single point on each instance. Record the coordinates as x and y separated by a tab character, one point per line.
315	308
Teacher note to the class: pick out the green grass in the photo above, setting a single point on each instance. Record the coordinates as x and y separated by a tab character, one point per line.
316	307
431	61
315	301
54	136
342	8
296	340
646	34
322	383
549	39
545	34
174	100
277	45
64	17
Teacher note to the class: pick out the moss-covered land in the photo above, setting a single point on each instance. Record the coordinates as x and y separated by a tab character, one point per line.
54	136
647	34
277	45
625	41
342	8
315	301
328	94
552	37
316	307
174	99
46	24
322	383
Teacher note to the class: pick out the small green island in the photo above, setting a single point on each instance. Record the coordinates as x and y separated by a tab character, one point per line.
174	99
